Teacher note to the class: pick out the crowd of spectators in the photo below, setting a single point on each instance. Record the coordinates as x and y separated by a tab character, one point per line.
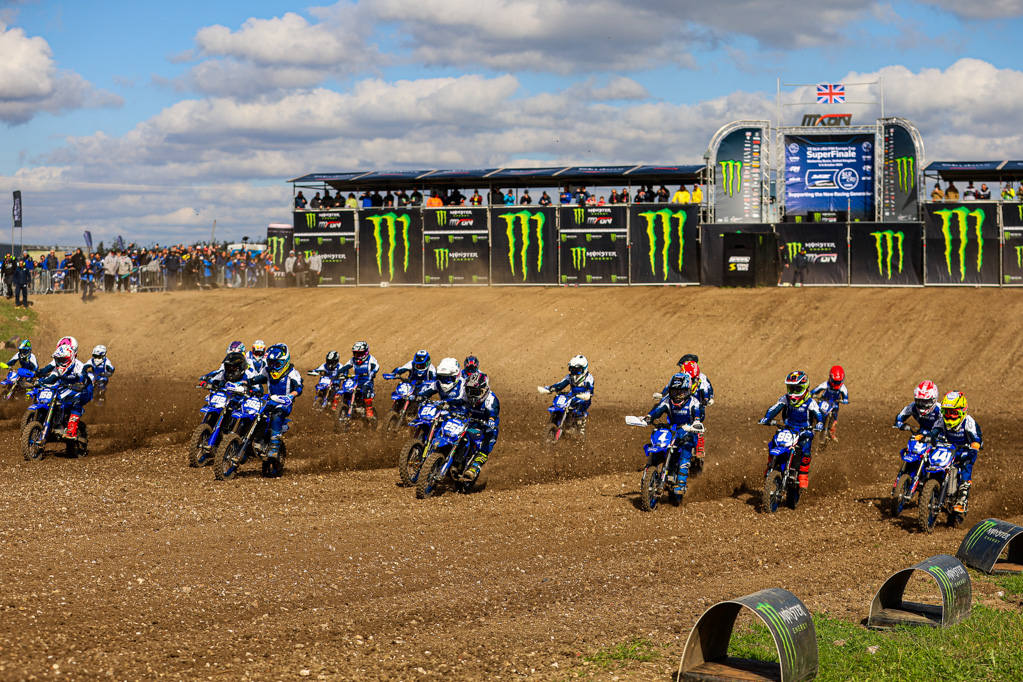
971	193
496	197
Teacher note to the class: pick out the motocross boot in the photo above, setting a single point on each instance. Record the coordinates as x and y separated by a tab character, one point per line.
831	430
699	452
680	480
581	426
804	481
370	414
275	447
72	426
962	504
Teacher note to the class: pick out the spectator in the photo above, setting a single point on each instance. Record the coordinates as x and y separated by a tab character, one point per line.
456	198
300	202
289	269
7	271
366	201
581	196
600	202
476	199
78	262
378	201
969	194
301	269
591	200
525	199
613	197
496	197
951	193
640	195
623	198
328	201
315	267
351	202
22	276
316	204
171	265
416	198
109	271
937	194
681	196
1007	193
697	194
566	196
509	199
389	199
124	268
662	195
1019	194
984	193
434	201
545	199
801	263
403	200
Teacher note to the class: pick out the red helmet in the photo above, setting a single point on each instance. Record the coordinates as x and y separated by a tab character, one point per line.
836	377
926	397
692	369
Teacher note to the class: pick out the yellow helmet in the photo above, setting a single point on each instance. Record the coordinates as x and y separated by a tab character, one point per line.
953	409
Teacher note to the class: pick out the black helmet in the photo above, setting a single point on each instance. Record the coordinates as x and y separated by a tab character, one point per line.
471	365
234	366
680	388
421	360
477	388
333	358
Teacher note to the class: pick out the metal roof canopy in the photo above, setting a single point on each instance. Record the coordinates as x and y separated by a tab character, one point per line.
994	171
609	176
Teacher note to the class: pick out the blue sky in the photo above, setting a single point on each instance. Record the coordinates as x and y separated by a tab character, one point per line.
152	120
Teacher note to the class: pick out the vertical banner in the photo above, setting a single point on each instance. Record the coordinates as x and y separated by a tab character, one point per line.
1012	215
16	209
712	249
1012	255
456	246
524	245
663	244
962	242
737	177
594	245
331	234
390	246
826	249
279	240
88	240
900	192
886	254
829	173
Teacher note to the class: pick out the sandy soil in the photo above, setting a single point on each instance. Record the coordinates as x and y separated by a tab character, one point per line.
130	565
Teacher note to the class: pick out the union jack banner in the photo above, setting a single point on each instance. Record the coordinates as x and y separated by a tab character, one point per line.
830	93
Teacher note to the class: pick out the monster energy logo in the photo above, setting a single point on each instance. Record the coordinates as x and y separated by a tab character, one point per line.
963	214
907	178
664	217
794	248
780	628
276	247
442	218
519	225
389	221
311	220
579	257
731	173
442	257
1019	257
891	241
946	584
984	526
580	215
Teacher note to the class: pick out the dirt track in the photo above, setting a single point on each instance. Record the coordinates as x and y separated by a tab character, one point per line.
130	564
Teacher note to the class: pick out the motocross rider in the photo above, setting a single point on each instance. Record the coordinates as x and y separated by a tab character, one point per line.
365	367
470	366
579	383
834	391
449	387
924	409
483	410
682	408
99	365
234	369
801	413
962	431
282	379
702	390
420	370
25	358
66	371
257	356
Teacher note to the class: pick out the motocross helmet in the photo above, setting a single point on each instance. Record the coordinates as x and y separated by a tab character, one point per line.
64	358
577	368
836	378
953	409
421	360
333	359
236	347
680	388
471	365
797	387
447	373
926	397
692	369
70	341
234	366
259	349
25	349
278	360
99	353
477	388
688	357
360	351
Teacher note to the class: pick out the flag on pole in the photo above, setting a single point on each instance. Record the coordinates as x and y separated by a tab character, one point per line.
88	240
830	93
120	243
17	209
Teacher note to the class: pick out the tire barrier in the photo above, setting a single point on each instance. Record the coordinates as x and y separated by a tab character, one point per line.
889	609
786	617
983	546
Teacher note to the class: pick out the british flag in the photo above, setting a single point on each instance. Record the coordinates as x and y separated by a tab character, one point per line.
830	93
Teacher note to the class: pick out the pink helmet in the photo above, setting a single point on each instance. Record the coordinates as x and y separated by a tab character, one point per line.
926	397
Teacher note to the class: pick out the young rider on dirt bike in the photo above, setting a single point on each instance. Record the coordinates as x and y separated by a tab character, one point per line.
577	381
257	356
470	366
25	358
99	364
834	391
962	431
682	408
365	367
282	379
67	371
702	390
483	409
801	413
448	386
924	409
420	370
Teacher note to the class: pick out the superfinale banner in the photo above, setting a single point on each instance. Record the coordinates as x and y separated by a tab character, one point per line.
456	246
962	243
829	173
825	247
524	245
663	239
331	234
886	254
594	245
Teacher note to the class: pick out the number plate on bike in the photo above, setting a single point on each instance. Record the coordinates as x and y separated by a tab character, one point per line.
786	438
427	411
661	438
218	400
324	382
45	395
454	428
348	386
561	402
941	456
404	390
253	404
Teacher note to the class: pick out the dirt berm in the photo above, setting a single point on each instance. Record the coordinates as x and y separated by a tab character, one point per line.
129	564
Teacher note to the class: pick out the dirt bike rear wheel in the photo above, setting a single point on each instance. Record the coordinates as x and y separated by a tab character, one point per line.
79	447
648	487
928	505
274	468
224	466
410	461
900	496
550	434
31	444
773	492
429	474
197	456
792	498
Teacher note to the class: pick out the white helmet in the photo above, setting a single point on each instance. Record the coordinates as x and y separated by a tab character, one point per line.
447	372
99	351
577	367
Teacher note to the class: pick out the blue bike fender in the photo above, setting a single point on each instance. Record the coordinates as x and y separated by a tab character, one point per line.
650	449
206	409
39	406
779	452
554	410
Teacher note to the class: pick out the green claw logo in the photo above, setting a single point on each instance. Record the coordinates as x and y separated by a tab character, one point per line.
580	215
276	247
311	220
1019	257
984	526
731	174
885	244
794	248
963	214
442	218
389	222
442	257
518	225
946	584
907	176
782	630
579	257
664	218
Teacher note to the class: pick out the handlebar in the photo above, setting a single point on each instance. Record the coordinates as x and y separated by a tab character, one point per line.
390	376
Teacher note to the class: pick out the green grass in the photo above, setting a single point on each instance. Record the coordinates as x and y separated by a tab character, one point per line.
618	655
19	322
1012	584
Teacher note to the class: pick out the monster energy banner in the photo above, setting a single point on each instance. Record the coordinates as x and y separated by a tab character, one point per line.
737	177
331	234
524	245
1012	255
390	246
962	243
712	249
456	246
901	175
664	244
279	240
886	254
1012	215
825	248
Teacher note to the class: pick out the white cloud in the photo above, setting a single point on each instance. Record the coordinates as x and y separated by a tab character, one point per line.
981	9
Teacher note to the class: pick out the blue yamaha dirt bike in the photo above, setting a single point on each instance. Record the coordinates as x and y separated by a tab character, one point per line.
325	392
940	488
908	480
781	483
351	407
565	415
47	423
220	403
663	454
413	452
17	383
404	402
250	437
448	456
